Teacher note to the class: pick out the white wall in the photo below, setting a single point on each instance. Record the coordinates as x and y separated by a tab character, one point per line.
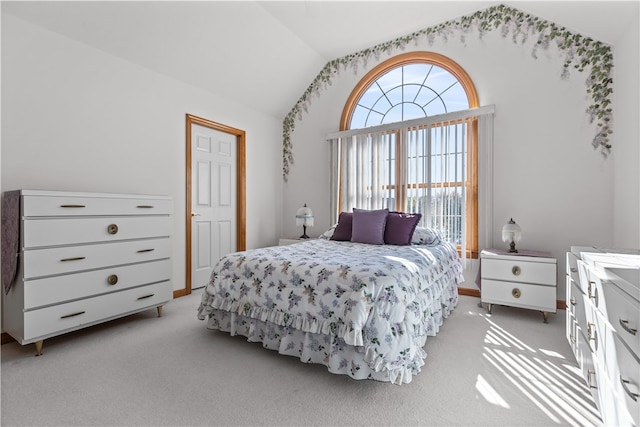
626	138
77	119
546	175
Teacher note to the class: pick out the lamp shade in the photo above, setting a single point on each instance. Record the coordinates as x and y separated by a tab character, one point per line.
511	233
304	216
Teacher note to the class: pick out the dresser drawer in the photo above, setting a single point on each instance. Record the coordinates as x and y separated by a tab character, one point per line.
572	267
65	231
63	260
625	380
49	321
537	297
586	363
624	315
57	289
576	305
40	205
592	285
519	271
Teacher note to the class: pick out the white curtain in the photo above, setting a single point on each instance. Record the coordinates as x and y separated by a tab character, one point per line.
422	165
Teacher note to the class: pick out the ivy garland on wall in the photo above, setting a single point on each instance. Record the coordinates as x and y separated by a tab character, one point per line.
579	52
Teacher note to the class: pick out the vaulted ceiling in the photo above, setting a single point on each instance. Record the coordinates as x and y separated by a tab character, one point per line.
264	54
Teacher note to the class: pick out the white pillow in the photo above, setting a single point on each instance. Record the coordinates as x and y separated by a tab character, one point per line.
426	236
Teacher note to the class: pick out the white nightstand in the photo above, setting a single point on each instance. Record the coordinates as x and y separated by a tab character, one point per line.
526	279
292	240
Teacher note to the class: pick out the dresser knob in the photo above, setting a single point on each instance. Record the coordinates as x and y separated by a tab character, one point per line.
112	229
516	293
516	270
112	279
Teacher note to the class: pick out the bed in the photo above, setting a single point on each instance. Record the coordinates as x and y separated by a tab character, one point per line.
362	310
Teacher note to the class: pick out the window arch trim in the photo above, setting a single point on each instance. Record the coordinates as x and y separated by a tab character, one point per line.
406	59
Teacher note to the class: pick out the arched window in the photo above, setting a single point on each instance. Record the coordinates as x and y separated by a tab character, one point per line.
430	168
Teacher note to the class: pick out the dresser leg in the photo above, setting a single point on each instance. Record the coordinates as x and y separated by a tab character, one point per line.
38	345
545	315
489	308
159	308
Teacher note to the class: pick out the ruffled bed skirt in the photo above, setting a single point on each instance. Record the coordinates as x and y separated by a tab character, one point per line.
326	347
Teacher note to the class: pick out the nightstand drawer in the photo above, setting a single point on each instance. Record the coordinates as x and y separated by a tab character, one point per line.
524	295
520	271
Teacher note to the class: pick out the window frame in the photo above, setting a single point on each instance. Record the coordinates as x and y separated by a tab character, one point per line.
459	73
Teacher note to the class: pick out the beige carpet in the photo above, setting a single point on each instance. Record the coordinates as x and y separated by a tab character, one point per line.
506	369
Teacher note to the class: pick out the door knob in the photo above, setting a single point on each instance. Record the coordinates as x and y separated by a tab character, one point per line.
195	214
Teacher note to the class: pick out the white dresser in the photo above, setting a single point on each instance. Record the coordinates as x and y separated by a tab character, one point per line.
526	279
85	258
603	320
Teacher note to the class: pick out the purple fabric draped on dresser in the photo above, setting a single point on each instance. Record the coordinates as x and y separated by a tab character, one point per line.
10	238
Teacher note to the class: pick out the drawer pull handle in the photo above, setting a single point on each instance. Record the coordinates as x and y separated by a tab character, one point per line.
591	327
516	270
72	206
72	315
574	270
516	293
573	301
632	395
145	206
589	373
594	295
145	250
112	229
112	279
146	296
624	323
78	258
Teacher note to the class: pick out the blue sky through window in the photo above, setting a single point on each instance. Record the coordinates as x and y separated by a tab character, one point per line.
409	92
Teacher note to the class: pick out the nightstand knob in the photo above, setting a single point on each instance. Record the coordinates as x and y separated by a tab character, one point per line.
112	279
516	292
112	229
516	270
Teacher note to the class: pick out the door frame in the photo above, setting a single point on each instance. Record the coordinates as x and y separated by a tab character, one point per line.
241	219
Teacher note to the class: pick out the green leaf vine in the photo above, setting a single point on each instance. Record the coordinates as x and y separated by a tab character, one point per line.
580	53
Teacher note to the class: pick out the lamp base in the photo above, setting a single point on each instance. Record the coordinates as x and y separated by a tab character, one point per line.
304	233
512	248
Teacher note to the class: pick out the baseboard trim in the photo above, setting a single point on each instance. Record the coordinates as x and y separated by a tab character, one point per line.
6	338
469	292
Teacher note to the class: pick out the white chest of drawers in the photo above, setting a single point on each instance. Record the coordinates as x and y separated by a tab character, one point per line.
86	258
603	322
526	279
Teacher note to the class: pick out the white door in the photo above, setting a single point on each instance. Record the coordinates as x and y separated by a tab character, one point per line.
213	200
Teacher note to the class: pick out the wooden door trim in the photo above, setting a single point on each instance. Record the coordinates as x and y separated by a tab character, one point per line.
241	218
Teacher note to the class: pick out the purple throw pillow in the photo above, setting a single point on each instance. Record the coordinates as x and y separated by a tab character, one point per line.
343	229
368	226
400	228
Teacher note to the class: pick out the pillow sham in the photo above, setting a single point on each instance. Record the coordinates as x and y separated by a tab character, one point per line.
343	229
400	228
425	236
329	233
368	226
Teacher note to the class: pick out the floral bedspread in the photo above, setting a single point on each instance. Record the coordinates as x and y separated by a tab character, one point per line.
362	310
